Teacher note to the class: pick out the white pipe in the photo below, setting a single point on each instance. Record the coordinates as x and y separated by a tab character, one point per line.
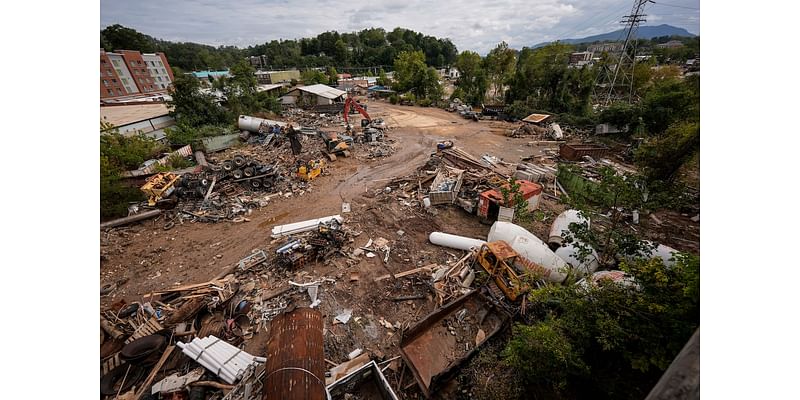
455	241
219	358
241	359
531	248
226	351
211	363
214	353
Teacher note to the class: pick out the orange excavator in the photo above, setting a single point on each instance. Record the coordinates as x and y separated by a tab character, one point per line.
350	102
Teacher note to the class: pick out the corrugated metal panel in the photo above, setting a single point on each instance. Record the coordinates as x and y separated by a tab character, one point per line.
295	357
217	143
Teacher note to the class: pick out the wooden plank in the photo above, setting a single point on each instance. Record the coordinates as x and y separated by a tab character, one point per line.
406	273
153	373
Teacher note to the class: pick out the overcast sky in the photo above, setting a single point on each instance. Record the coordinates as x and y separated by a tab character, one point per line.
476	26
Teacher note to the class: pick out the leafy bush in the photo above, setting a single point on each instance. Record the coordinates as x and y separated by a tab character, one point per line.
608	339
425	102
393	98
183	134
120	153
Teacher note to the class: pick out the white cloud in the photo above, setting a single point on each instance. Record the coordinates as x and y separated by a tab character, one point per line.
476	26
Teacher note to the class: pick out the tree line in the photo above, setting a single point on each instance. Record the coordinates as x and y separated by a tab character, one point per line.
368	47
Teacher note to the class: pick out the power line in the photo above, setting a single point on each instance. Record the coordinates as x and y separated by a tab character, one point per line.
626	62
674	5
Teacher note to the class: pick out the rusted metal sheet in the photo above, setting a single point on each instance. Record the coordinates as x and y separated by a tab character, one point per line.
432	352
501	250
217	143
576	151
295	357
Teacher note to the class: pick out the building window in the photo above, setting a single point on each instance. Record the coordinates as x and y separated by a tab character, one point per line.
105	82
116	63
128	89
102	61
114	80
125	80
133	63
110	92
160	64
163	71
119	71
159	79
119	90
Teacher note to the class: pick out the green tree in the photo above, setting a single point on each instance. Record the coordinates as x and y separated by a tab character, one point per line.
472	81
663	156
500	66
312	77
240	90
670	101
614	196
120	153
513	194
333	76
608	340
382	79
543	81
412	74
190	107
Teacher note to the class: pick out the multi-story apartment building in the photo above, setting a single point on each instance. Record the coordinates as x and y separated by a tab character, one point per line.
127	72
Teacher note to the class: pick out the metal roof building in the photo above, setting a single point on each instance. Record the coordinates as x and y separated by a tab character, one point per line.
318	94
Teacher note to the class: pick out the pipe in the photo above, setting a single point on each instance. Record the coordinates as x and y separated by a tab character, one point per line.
531	248
210	362
130	219
219	358
239	359
207	362
455	241
220	354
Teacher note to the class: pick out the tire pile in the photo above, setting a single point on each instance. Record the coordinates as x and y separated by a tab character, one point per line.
247	173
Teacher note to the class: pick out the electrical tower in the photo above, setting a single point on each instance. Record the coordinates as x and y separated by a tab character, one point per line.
619	83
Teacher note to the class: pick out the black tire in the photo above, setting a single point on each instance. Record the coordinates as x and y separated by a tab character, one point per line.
255	183
237	174
227	165
140	349
249	171
108	383
169	225
200	191
239	161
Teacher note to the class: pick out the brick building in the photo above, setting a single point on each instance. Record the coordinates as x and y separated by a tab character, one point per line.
127	72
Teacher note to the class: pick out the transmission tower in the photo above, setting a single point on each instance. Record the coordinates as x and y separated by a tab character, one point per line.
614	85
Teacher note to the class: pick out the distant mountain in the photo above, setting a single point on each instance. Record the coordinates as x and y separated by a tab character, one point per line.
644	32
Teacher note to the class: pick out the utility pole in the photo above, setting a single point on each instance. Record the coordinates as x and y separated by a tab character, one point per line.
613	85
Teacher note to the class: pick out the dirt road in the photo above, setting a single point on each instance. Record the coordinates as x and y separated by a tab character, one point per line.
148	258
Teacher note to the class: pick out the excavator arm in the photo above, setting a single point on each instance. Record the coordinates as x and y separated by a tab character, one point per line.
349	102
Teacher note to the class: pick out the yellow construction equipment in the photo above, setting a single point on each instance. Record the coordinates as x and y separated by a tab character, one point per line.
509	270
159	186
310	169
